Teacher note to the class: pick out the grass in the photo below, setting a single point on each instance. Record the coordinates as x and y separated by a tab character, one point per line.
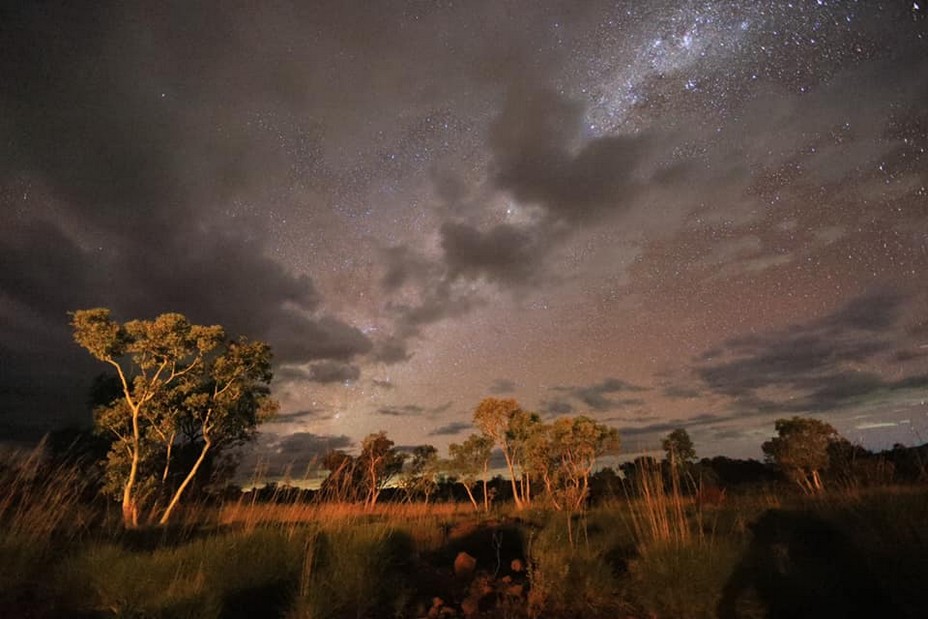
659	552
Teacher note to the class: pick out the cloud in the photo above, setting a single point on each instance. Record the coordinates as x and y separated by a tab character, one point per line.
540	158
294	455
391	350
594	396
557	407
414	410
452	429
333	372
401	411
126	198
502	386
503	254
816	366
674	391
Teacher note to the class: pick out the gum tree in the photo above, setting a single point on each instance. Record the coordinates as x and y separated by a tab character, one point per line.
378	462
800	449
679	448
470	461
494	418
180	383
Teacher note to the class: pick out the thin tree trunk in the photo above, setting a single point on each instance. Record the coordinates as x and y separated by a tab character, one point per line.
470	495
167	459
130	509
183	486
512	479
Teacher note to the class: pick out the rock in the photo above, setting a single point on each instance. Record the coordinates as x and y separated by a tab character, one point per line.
464	565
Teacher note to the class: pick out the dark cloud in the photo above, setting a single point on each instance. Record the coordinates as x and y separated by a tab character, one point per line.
308	445
594	396
401	411
503	254
502	386
391	350
333	372
539	157
682	392
414	410
294	456
557	407
452	429
306	414
809	367
110	190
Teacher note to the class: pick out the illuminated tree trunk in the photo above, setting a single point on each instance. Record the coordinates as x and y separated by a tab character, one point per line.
130	508
183	486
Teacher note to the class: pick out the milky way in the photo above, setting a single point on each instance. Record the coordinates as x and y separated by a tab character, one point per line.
664	214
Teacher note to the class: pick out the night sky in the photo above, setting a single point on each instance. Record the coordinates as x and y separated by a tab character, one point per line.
660	214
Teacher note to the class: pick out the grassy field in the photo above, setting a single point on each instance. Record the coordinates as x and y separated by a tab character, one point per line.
861	552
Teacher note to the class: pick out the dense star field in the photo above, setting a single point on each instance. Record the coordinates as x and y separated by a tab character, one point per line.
661	214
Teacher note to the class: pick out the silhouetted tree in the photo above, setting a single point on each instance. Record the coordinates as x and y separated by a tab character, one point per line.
679	448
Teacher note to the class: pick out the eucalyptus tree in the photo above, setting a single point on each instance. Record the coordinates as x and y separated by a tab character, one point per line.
470	462
800	449
180	383
510	428
378	462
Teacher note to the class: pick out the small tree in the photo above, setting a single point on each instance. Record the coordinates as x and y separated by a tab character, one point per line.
800	449
422	469
575	445
679	448
470	461
509	427
378	463
344	481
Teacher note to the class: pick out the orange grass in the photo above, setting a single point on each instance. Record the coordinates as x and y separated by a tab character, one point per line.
249	513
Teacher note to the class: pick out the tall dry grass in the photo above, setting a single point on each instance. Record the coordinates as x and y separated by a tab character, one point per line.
39	498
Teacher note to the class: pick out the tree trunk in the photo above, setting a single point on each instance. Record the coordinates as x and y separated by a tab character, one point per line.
817	481
512	478
183	486
130	508
486	496
470	495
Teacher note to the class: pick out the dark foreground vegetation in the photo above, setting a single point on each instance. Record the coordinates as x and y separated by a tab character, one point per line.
651	543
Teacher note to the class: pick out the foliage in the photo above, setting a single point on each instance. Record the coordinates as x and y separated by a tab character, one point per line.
363	477
566	455
679	448
470	461
494	417
181	385
379	461
420	476
800	449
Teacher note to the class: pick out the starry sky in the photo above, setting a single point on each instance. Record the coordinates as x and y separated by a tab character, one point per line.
661	214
